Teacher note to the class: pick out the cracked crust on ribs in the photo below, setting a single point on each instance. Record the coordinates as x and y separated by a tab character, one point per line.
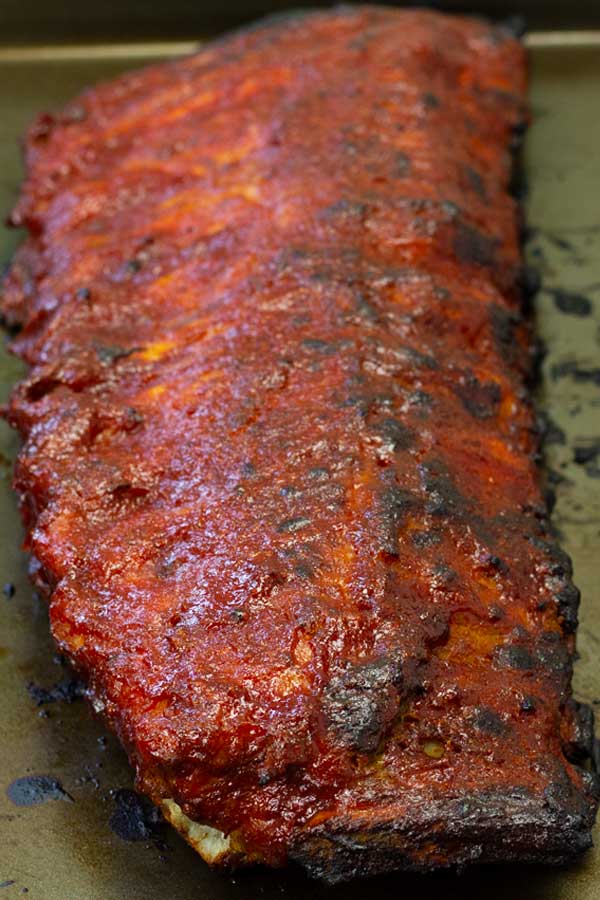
279	472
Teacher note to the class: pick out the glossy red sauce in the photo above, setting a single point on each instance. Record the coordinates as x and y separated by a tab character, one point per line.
279	464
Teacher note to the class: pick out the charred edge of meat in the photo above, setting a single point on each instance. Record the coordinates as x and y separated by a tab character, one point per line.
567	597
580	745
547	429
474	831
504	324
529	283
473	247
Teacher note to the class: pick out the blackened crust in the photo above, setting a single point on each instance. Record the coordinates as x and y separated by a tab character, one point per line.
247	530
489	827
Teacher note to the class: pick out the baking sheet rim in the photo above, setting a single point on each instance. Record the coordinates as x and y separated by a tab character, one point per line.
164	49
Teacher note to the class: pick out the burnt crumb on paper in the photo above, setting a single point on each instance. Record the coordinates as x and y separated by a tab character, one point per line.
68	690
32	790
558	241
588	456
587	453
570	302
134	817
570	368
550	432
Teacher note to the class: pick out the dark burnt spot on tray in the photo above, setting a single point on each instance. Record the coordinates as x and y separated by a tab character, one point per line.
8	590
473	247
360	703
32	790
68	690
587	453
592	470
489	721
570	368
480	399
290	526
475	182
559	241
134	817
394	503
529	282
514	656
570	302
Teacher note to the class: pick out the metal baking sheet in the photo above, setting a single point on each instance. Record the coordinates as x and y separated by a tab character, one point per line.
78	843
